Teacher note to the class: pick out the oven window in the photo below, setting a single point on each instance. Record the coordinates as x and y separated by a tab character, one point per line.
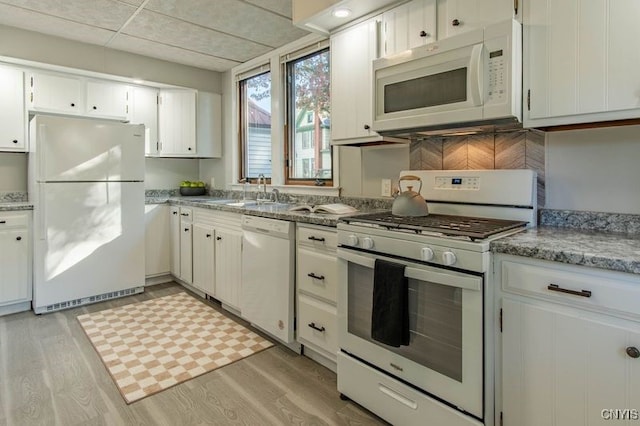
431	90
435	320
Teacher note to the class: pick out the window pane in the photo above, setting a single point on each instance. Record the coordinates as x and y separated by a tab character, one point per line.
256	125
310	115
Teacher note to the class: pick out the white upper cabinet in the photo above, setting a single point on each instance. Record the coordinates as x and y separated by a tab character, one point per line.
209	125
56	93
580	61
407	26
352	51
458	16
12	118
143	109
106	99
177	122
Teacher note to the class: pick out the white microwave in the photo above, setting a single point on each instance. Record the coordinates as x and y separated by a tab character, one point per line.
470	79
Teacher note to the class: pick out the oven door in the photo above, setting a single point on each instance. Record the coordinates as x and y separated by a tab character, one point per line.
445	353
432	85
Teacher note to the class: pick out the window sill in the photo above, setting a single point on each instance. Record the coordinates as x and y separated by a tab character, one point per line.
329	191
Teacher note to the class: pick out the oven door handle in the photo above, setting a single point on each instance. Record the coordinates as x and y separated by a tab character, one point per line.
453	279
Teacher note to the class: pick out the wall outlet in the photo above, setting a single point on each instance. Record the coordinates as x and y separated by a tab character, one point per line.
386	188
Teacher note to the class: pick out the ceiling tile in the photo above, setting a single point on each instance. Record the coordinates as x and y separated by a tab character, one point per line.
233	17
173	32
106	14
35	21
281	7
172	54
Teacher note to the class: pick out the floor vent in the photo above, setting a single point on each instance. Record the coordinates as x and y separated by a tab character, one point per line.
92	299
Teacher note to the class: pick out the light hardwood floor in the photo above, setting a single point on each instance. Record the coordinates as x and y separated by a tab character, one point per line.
51	375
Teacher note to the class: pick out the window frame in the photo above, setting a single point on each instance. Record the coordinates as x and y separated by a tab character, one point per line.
290	119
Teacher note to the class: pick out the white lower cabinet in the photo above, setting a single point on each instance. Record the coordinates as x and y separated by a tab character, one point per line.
570	344
181	243
203	258
157	240
15	261
228	269
316	283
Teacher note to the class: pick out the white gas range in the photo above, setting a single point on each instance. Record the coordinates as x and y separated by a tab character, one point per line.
413	339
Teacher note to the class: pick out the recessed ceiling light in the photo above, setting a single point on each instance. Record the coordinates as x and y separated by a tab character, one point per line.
342	12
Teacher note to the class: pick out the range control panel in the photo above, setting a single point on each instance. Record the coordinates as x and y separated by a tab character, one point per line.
469	183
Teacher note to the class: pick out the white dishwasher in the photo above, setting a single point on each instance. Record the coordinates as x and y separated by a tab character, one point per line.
268	289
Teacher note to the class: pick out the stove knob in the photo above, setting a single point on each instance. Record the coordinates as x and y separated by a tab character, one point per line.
448	258
352	240
367	243
426	253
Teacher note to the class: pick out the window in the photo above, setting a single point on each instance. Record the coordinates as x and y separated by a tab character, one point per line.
255	126
309	155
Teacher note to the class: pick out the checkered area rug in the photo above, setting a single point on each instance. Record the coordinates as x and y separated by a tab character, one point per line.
150	346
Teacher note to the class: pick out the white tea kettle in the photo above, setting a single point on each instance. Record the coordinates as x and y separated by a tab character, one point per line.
409	202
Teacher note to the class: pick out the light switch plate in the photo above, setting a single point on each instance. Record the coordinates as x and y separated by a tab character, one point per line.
386	188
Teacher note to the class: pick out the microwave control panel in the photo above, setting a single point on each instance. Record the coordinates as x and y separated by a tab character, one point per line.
497	89
469	183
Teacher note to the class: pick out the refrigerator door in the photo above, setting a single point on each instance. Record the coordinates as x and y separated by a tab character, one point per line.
88	240
76	149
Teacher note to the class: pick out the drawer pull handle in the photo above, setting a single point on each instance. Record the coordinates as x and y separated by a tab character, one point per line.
556	287
315	327
320	239
2	222
317	277
184	214
633	352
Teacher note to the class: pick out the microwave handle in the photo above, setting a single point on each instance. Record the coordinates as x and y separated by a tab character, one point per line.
465	282
475	74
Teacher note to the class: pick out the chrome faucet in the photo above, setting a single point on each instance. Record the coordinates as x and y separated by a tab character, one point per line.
262	180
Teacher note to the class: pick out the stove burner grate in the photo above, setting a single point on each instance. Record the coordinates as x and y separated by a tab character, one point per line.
472	227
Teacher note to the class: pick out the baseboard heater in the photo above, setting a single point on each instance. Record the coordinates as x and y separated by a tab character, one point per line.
87	300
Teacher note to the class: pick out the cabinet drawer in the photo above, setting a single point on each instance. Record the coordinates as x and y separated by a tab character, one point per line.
318	238
600	290
13	220
317	273
318	324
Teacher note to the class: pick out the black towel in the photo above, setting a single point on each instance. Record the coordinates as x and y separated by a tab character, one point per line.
390	313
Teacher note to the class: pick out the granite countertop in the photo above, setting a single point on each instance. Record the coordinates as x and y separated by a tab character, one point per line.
599	249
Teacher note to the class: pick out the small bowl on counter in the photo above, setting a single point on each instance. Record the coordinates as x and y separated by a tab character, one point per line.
192	190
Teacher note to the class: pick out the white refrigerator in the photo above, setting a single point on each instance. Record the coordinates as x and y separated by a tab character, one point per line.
86	183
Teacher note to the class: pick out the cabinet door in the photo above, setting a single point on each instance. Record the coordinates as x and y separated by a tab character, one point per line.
228	266
106	99
209	125
352	51
157	239
203	258
143	109
12	122
14	267
560	367
186	252
576	69
177	123
56	93
174	236
411	25
458	16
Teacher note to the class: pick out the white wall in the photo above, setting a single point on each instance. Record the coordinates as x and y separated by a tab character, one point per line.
32	46
167	173
363	168
594	170
13	172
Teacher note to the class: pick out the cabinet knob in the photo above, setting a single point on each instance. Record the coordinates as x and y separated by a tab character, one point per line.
208	235
218	238
423	33
15	141
72	104
189	148
456	22
20	238
633	352
186	229
367	127
95	107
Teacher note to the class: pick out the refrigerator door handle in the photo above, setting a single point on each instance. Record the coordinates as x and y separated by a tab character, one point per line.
42	206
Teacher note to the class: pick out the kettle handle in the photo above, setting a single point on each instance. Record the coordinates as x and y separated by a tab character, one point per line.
409	177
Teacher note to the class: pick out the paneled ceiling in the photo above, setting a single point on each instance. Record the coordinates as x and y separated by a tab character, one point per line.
210	34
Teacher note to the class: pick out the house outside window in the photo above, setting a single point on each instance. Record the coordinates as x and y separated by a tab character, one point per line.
255	126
